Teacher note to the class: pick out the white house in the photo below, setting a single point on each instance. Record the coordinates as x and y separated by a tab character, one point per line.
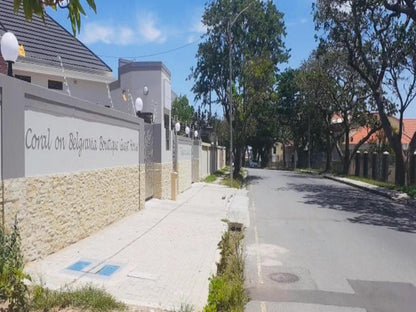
55	59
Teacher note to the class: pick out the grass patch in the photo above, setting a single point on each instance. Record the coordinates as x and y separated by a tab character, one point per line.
211	178
226	289
409	190
222	171
238	181
86	298
308	171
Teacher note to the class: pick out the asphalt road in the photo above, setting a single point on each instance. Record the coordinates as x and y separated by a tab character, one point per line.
317	245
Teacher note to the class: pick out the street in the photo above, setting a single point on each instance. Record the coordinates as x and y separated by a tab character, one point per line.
317	245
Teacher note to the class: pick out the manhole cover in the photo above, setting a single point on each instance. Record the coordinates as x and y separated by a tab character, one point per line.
284	277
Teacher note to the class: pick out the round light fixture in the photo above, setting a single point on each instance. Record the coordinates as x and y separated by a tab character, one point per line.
187	130
177	127
138	105
196	133
9	47
63	4
145	90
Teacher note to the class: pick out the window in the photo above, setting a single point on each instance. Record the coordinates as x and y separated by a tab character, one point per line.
55	85
24	78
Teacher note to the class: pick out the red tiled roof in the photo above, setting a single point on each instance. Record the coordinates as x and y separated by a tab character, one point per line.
409	128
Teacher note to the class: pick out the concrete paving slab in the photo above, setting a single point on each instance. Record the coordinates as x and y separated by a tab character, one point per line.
238	211
165	253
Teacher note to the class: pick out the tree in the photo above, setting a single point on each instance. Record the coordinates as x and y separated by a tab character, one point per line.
257	123
257	32
37	7
315	89
380	48
406	7
350	101
182	110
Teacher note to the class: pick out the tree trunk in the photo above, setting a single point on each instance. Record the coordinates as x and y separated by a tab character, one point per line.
237	161
346	159
394	139
328	152
284	155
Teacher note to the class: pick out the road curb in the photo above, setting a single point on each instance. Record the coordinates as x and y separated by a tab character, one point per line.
395	196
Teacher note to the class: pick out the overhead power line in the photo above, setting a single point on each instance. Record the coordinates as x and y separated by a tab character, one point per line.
153	54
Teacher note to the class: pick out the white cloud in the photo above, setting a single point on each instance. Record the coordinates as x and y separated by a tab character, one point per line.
301	21
94	32
198	27
126	36
148	29
191	39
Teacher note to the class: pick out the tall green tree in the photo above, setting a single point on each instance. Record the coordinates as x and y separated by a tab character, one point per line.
380	47
37	7
256	32
288	110
344	95
182	110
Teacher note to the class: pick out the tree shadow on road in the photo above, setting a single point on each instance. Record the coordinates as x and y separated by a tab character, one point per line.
372	209
253	179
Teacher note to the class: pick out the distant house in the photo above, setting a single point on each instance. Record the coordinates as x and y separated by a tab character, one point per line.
378	138
54	57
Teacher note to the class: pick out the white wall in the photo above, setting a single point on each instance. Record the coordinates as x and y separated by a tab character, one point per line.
92	91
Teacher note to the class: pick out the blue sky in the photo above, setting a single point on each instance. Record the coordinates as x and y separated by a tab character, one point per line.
132	28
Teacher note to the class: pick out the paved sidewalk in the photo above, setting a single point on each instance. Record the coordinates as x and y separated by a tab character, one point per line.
166	252
391	194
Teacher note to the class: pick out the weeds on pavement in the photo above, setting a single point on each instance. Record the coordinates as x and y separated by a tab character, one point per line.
86	298
13	291
226	289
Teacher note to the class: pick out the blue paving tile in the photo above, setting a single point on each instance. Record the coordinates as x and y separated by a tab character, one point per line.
79	266
108	270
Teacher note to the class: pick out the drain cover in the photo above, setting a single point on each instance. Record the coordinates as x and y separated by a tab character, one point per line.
285	278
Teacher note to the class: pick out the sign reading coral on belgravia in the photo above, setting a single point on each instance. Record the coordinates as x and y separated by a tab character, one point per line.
58	144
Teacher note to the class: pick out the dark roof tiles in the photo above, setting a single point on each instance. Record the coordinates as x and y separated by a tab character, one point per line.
44	41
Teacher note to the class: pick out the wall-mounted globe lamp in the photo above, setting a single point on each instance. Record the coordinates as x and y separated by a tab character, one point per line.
145	90
9	50
196	134
177	127
63	4
187	130
138	105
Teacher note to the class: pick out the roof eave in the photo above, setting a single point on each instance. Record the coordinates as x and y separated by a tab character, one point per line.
98	76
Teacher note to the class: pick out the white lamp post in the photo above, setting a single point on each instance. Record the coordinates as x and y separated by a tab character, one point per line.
9	50
187	130
177	127
196	134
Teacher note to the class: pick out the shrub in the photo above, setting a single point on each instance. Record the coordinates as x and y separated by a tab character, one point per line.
86	298
13	289
226	289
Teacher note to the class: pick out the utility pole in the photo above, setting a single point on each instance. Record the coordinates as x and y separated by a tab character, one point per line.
309	141
230	98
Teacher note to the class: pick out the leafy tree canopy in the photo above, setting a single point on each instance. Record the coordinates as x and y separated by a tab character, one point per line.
182	110
37	7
